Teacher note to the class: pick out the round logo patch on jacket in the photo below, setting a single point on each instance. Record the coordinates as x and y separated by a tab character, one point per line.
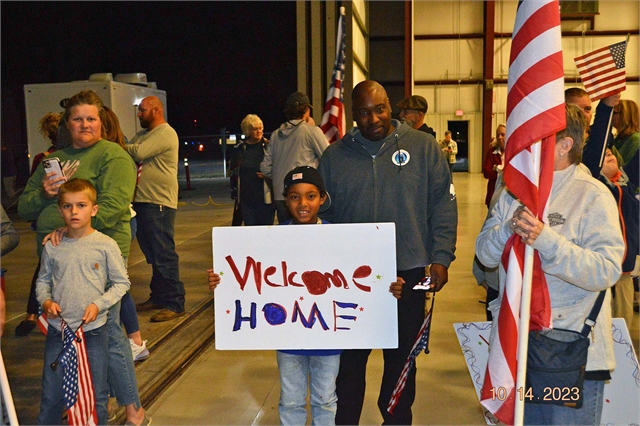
400	157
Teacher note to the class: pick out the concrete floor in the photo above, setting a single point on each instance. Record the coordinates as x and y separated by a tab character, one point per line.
242	387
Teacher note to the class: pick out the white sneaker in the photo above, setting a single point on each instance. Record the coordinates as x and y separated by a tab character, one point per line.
139	352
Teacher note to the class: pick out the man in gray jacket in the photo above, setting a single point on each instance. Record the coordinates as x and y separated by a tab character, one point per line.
298	142
385	171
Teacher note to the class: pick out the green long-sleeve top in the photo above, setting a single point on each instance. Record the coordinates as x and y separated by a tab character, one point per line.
110	169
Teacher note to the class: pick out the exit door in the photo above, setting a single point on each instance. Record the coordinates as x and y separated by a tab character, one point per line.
460	133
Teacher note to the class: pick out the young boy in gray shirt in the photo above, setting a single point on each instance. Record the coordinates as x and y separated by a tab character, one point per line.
80	279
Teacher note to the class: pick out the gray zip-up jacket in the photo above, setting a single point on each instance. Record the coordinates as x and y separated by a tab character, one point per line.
407	182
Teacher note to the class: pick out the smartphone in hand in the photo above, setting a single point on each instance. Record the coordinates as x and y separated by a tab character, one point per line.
53	165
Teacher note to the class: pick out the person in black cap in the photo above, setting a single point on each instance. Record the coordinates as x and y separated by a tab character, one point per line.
305	195
298	142
412	111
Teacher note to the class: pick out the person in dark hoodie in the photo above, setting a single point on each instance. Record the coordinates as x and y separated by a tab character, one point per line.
297	142
385	171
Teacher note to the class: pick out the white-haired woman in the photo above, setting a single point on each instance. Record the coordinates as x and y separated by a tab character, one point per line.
249	186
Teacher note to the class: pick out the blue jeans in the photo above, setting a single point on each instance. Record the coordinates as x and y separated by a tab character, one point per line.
588	414
52	402
296	373
122	373
155	236
128	314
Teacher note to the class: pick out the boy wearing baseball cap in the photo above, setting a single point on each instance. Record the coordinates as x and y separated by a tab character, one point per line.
305	196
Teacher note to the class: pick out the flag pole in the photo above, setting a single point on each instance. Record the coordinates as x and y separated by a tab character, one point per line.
523	336
6	394
606	136
525	312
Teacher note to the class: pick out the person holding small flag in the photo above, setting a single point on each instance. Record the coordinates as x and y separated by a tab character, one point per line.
72	289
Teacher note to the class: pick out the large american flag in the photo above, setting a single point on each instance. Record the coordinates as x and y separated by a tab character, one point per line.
333	120
602	71
77	386
535	112
421	344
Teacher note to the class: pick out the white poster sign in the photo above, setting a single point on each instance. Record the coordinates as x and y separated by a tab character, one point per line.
621	393
305	287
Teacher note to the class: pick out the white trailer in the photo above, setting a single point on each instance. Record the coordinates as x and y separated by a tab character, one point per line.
123	96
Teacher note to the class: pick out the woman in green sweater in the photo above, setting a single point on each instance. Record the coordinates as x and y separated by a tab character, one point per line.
113	173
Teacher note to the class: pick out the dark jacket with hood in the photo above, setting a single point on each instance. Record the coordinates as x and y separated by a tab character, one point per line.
407	182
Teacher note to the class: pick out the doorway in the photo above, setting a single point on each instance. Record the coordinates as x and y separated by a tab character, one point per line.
460	133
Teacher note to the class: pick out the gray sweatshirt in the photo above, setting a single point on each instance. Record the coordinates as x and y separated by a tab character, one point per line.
157	149
581	250
81	271
416	194
294	144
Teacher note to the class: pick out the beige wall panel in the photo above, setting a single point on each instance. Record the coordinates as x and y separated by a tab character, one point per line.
501	51
447	17
505	15
359	6
359	44
617	14
447	59
358	75
613	15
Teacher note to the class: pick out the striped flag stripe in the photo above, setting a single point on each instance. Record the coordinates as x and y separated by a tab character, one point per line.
601	78
83	412
594	65
535	112
333	123
605	81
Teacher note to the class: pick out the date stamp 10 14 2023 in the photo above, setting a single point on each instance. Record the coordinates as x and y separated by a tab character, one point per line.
555	394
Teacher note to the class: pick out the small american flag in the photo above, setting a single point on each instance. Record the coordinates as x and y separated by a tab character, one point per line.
42	322
333	120
602	70
421	343
77	386
535	113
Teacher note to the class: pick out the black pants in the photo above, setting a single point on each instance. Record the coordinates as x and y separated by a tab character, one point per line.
351	381
33	306
492	294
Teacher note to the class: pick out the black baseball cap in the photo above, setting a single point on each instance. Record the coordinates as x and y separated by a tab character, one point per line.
306	174
298	98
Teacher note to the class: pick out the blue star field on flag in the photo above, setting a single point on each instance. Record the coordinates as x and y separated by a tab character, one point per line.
69	362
